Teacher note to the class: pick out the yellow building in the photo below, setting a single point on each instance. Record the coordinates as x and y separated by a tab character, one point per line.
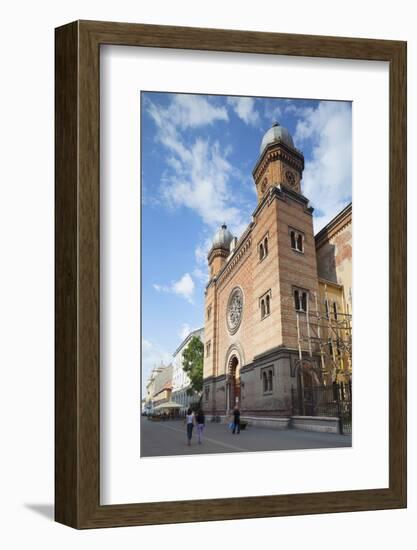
269	324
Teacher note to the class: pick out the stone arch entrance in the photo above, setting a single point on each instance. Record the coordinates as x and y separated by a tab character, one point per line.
233	393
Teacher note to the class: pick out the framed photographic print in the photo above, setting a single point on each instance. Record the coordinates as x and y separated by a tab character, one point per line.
230	274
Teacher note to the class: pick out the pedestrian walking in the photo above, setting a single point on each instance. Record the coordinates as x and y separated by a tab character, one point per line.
201	421
236	420
189	419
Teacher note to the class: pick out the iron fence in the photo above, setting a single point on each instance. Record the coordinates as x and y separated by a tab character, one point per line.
334	400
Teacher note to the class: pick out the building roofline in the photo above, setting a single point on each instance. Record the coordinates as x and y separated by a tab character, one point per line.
340	220
192	333
324	281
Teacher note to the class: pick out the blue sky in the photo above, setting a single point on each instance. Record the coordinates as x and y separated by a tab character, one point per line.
197	156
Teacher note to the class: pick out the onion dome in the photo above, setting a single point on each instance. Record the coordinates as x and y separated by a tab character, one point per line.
222	238
276	134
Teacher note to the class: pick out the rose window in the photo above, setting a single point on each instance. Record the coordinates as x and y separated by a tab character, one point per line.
234	310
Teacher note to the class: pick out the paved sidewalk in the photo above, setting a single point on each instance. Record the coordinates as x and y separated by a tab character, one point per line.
167	438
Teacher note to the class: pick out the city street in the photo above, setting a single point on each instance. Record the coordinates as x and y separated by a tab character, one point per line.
167	438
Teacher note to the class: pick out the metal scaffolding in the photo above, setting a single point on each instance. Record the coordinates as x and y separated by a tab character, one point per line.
328	334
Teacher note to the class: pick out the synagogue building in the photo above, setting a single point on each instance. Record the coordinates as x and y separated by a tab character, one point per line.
278	303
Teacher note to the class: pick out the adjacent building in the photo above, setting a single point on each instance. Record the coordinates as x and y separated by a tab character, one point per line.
158	387
180	380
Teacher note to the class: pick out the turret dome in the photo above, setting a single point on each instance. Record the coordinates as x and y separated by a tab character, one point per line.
275	134
222	238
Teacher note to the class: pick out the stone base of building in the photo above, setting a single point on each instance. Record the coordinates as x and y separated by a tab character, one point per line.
316	424
323	424
275	422
264	388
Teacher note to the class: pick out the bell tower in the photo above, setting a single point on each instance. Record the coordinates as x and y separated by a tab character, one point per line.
220	250
279	163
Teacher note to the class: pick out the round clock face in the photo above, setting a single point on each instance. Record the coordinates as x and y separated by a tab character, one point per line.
289	176
234	310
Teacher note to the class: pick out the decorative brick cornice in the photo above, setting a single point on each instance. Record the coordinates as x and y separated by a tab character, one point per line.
282	193
216	253
278	151
235	260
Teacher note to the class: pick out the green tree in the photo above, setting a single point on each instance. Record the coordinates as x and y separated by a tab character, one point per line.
192	364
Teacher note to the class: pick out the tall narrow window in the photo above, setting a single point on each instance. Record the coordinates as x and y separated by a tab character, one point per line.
270	380
326	306
265	304
261	251
335	310
266	246
265	381
300	300
304	301
296	300
297	240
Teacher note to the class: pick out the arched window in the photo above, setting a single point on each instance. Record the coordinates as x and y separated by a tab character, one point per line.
335	310
300	242
262	309
326	305
266	245
297	300
304	301
265	381
261	251
292	234
267	305
270	380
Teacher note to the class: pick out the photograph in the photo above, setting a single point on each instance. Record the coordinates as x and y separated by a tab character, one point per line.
246	274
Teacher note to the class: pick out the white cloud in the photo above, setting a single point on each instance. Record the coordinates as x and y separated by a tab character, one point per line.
244	107
202	184
183	287
327	177
202	250
152	356
188	111
201	274
198	172
161	288
184	331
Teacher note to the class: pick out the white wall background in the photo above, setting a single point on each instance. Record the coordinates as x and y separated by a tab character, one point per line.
26	275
